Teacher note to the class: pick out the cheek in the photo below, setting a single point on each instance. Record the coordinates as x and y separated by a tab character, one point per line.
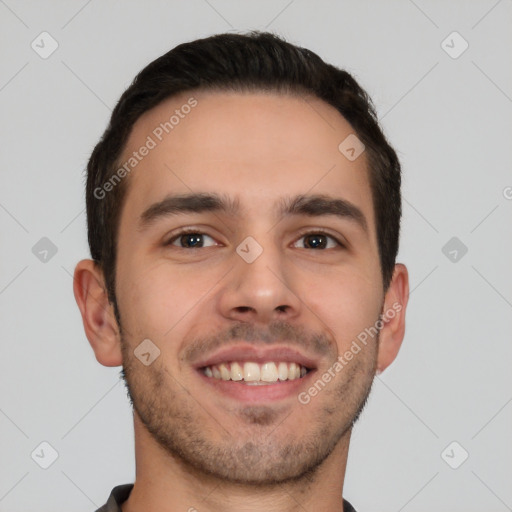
347	303
145	299
158	300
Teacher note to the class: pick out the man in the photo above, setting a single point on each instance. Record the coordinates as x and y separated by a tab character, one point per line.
243	215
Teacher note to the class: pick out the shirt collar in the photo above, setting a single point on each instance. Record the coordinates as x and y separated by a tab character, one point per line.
120	494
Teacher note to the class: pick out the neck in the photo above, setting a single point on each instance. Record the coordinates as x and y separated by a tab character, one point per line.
165	483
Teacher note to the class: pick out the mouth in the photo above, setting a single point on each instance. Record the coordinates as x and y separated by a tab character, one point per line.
248	374
252	373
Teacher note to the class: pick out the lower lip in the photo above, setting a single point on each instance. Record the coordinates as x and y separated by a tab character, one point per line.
258	393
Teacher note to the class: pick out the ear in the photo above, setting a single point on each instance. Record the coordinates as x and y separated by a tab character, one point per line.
393	317
98	317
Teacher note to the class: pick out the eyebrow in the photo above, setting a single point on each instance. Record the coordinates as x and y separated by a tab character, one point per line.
316	205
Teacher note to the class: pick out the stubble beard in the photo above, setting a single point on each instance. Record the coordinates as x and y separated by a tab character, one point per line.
261	452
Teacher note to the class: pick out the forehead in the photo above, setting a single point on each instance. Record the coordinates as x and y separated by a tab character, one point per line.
256	147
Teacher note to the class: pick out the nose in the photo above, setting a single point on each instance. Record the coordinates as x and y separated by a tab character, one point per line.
260	291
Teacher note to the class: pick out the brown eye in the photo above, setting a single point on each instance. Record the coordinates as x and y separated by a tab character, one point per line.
191	240
319	240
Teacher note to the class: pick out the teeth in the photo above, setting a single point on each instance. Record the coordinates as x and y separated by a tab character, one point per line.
269	372
254	373
282	371
251	372
236	372
225	374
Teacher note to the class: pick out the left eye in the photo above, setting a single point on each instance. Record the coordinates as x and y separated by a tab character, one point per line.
320	241
191	240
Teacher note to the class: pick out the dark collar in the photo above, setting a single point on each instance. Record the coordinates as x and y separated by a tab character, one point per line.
120	494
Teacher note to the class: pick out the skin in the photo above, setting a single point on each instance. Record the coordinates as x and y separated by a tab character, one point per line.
194	446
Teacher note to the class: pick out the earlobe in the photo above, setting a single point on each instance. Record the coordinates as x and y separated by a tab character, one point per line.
393	318
97	313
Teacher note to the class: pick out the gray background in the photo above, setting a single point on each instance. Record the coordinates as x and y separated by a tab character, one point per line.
450	120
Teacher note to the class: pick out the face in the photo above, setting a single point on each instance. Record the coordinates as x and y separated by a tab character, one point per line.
248	256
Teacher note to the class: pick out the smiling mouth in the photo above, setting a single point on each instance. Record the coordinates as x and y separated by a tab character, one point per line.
256	374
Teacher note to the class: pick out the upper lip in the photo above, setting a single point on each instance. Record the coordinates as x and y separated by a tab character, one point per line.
244	353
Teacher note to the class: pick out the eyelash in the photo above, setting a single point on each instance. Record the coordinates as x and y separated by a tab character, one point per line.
186	231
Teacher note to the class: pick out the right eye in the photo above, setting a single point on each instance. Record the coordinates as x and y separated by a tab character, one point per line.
190	239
